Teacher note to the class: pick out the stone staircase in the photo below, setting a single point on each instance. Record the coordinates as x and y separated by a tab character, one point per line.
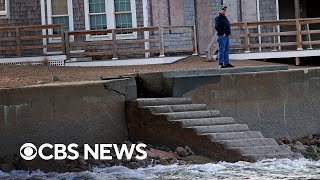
159	117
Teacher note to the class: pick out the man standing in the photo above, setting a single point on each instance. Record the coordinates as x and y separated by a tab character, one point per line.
222	25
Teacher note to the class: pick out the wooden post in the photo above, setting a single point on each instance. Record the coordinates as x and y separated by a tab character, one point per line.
161	42
18	42
63	41
309	36
274	39
246	38
114	43
298	27
67	45
297	61
194	41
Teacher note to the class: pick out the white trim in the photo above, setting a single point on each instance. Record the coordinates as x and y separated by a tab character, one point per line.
111	22
270	55
52	60
278	18
134	20
70	12
43	22
49	17
131	62
87	24
134	13
6	7
259	27
145	24
111	18
60	52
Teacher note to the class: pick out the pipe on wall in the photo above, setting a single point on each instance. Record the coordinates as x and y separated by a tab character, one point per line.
278	18
259	27
146	24
43	22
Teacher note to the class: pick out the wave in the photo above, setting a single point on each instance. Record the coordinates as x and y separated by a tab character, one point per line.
266	169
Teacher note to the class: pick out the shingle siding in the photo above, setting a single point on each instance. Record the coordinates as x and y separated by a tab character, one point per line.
189	12
268	10
23	13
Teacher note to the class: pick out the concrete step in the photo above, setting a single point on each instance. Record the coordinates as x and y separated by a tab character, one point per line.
176	108
206	121
234	135
264	150
223	130
163	101
220	128
260	157
191	114
249	142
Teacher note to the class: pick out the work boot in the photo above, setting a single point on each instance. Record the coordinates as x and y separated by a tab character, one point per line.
228	65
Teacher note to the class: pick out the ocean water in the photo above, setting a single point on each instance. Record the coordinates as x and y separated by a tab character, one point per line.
267	169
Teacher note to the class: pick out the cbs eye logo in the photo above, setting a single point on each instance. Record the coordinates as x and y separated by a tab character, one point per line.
28	151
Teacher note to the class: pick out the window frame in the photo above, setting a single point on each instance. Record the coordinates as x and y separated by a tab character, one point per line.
6	7
111	21
49	18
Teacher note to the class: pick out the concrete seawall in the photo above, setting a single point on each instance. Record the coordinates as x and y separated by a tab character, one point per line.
88	112
278	104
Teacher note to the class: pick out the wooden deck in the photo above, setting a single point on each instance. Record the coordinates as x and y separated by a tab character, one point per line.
274	54
250	43
21	41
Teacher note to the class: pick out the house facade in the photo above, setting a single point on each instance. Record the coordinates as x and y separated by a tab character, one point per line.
110	14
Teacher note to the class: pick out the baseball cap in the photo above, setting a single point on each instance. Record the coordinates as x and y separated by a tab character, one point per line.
222	7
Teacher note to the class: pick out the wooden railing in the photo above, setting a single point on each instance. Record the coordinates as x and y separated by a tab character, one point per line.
194	48
112	38
19	36
108	38
299	29
106	42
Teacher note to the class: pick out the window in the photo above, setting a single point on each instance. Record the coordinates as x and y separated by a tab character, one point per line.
60	12
97	14
123	13
3	7
110	14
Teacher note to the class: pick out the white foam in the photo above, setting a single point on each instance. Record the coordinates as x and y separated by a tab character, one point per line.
267	169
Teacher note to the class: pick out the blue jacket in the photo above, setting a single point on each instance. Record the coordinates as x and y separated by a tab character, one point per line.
222	25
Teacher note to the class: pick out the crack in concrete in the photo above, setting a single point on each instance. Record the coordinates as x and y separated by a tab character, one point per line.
111	89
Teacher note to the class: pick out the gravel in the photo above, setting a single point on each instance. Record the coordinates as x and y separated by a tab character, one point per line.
20	76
